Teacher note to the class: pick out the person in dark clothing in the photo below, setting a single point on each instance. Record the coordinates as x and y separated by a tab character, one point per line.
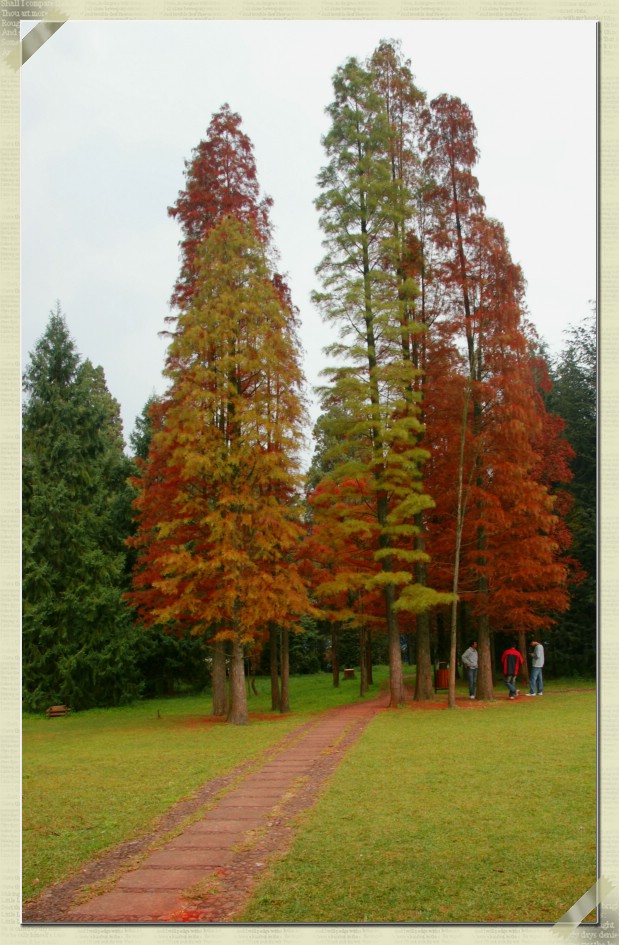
512	661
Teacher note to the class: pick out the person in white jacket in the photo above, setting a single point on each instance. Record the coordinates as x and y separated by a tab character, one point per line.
536	682
470	662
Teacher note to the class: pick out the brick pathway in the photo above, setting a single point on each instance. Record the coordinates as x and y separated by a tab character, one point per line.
207	872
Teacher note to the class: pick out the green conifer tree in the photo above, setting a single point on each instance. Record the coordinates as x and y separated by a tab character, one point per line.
574	398
363	208
77	639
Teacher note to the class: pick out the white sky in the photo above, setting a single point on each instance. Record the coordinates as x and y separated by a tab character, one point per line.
110	110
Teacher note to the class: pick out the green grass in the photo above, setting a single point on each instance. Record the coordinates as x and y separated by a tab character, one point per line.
94	779
484	815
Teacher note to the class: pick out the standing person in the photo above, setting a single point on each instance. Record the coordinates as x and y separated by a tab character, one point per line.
512	661
536	683
470	662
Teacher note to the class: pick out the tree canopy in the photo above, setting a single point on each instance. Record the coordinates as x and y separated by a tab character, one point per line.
454	474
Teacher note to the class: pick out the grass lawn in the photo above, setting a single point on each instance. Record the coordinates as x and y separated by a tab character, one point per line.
481	814
485	815
94	779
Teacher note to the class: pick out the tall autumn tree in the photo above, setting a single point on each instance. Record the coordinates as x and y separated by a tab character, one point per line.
513	578
77	638
428	300
450	149
220	179
218	551
405	252
375	422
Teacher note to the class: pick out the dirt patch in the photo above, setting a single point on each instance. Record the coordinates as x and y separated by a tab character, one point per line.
434	704
200	721
204	721
266	716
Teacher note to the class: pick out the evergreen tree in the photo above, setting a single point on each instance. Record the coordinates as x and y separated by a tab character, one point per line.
140	437
573	397
77	643
394	81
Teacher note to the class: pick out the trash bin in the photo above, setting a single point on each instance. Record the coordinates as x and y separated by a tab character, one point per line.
441	677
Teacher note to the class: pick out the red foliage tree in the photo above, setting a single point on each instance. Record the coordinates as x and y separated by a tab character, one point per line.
221	179
513	577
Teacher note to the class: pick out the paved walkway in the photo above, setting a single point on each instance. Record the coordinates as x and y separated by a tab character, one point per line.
206	873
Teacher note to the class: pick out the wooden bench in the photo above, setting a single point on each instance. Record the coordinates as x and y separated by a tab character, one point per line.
349	674
55	711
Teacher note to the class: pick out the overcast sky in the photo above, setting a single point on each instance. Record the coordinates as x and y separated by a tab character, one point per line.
110	111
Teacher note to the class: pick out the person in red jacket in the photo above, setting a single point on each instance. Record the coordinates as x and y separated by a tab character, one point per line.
512	661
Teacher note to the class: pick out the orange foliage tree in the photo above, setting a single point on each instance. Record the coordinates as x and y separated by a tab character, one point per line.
219	516
339	562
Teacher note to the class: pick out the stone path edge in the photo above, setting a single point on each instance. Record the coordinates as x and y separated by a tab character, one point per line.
222	907
111	865
55	903
222	891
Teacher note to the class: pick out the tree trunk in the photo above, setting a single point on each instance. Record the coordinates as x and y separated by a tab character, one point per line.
276	699
451	696
335	660
485	688
363	662
522	646
396	677
237	712
451	700
424	689
218	678
285	673
369	658
423	657
484	680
